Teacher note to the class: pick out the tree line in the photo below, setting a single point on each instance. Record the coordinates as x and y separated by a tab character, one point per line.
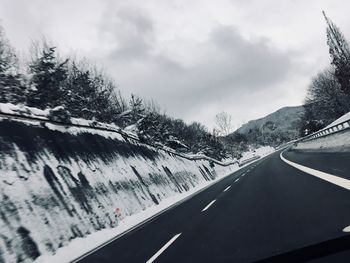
77	88
328	95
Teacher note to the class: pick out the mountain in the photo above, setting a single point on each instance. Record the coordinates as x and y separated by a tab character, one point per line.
285	118
275	128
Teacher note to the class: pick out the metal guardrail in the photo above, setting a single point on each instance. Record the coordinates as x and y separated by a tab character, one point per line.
328	131
110	128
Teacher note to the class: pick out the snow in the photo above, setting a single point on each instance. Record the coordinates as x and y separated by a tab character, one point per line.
124	113
261	151
62	190
81	246
132	129
72	197
19	109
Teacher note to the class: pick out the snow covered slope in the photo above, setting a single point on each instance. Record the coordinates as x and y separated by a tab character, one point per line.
59	183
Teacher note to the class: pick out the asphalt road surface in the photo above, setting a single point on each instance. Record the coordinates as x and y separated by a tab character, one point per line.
268	211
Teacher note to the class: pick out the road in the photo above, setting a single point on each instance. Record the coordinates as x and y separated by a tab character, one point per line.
265	209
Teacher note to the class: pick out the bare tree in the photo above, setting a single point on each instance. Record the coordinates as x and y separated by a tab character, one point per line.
325	99
223	122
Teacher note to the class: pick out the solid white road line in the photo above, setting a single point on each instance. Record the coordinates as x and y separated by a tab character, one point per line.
322	175
160	251
227	188
346	229
205	208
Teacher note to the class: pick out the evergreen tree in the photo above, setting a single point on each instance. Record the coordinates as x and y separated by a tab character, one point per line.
137	108
11	88
340	54
48	76
91	94
80	92
151	127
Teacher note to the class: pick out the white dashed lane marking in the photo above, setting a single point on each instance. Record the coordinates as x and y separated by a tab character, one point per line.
160	251
205	208
227	188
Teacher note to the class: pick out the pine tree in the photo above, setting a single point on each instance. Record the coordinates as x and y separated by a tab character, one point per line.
11	88
91	94
137	108
48	75
80	92
106	109
340	54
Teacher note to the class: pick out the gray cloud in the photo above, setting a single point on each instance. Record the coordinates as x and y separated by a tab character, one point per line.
195	58
228	67
130	31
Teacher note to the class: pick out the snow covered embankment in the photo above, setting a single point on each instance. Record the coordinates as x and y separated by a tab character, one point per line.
61	184
338	141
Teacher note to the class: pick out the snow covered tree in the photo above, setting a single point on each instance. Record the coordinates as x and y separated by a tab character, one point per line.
152	128
137	109
340	54
48	76
80	92
11	88
212	147
235	144
91	94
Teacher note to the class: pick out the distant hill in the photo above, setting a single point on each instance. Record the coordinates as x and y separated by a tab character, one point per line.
285	118
275	128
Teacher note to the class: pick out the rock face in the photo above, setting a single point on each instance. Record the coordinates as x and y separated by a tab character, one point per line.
58	183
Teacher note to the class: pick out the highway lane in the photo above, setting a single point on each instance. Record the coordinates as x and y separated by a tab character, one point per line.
333	163
265	209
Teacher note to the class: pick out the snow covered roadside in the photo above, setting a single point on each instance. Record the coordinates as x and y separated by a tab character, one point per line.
82	246
261	151
66	187
61	184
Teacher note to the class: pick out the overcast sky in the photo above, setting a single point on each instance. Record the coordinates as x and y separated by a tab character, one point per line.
194	57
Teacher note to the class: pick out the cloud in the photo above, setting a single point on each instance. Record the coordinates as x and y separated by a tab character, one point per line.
226	66
129	31
196	58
